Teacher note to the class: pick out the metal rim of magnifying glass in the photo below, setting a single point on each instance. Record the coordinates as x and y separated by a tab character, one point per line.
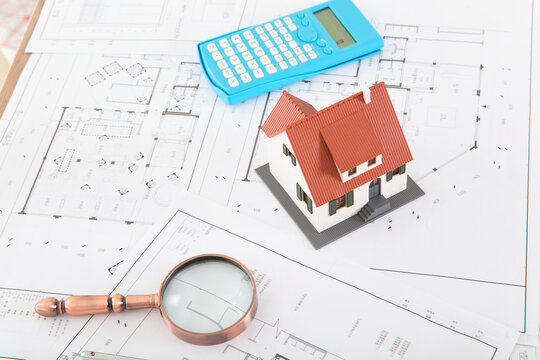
217	337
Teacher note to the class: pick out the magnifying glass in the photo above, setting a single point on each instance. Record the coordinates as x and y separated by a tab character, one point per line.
205	300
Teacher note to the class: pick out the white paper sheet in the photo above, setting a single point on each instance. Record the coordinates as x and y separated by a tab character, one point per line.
304	311
459	50
92	150
137	27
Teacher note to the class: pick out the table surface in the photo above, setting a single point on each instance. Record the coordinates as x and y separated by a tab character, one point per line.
19	61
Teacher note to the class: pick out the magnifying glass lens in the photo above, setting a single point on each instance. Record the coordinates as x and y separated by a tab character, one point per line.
207	296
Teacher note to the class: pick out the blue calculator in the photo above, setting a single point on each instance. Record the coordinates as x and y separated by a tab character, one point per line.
248	62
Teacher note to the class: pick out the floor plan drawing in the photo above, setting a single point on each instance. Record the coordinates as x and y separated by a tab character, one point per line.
283	327
19	319
287	347
103	160
455	114
94	148
90	25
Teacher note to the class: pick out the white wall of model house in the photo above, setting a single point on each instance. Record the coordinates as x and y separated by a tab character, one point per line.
288	175
360	169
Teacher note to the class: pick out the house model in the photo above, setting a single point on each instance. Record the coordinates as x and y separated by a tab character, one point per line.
344	161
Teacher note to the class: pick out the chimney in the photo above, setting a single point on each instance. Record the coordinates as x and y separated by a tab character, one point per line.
367	95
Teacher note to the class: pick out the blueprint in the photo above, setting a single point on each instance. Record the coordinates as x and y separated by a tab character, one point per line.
370	317
94	148
140	26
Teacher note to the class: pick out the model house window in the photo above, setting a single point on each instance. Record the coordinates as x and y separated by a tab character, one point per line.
400	170
342	201
372	161
352	171
287	152
302	196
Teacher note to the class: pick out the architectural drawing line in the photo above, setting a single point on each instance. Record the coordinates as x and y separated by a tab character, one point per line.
449	277
528	160
314	270
35	291
22	212
256	138
202	143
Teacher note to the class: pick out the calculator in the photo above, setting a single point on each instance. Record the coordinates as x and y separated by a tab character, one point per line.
248	62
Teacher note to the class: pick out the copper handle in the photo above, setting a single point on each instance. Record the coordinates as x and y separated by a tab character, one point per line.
100	304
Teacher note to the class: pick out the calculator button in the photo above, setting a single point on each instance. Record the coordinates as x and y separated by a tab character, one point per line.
293	44
302	58
307	47
288	54
278	58
301	15
241	47
268	26
278	23
236	39
259	29
305	22
224	43
273	33
283	65
287	20
227	73
297	50
307	34
222	64
268	44
233	82
292	27
252	64
283	47
327	50
278	40
248	35
265	60
287	37
240	68
211	47
247	56
321	42
312	54
270	69
293	62
253	43
234	60
282	30
217	55
273	51
259	51
245	77
229	51
264	37
258	73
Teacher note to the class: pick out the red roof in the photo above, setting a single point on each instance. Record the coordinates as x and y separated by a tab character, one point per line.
351	141
313	154
288	110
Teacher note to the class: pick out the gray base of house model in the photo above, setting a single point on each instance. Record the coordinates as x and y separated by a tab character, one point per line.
375	208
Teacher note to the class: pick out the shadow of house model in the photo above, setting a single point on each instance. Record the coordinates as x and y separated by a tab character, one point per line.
344	161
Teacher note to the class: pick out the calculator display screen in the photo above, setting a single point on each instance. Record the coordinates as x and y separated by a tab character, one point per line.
334	27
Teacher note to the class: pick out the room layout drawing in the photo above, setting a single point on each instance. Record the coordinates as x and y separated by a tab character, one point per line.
455	113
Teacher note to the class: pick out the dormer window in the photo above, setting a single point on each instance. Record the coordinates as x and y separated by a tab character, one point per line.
372	161
352	171
288	152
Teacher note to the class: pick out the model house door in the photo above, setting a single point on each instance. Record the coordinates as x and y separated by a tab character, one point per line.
375	188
